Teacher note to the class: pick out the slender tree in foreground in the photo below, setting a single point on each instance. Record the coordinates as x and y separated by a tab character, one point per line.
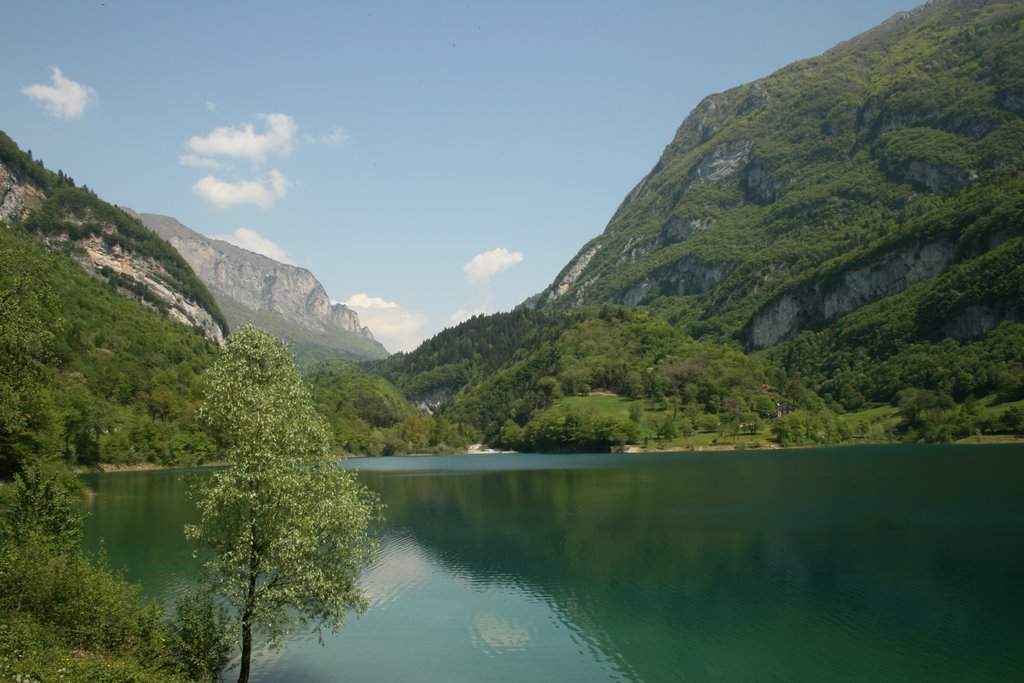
289	531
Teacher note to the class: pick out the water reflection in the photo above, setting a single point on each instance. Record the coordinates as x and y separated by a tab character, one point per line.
723	567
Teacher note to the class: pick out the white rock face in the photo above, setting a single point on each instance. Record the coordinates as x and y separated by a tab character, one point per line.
891	273
570	278
17	197
255	281
97	255
724	162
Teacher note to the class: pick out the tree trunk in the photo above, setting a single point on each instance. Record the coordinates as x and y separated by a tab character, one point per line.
243	669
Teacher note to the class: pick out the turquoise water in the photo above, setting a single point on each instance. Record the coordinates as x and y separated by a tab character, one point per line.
881	564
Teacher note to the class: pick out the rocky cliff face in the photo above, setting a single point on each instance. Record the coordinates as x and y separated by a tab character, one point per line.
18	196
888	273
259	284
99	248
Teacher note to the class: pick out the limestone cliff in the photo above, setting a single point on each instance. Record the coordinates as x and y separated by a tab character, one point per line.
251	286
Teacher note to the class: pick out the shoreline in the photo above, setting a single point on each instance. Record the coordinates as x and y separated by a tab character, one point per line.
993	440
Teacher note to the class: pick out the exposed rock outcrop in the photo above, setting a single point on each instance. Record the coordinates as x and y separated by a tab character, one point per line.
940	179
724	162
889	273
18	196
97	257
573	273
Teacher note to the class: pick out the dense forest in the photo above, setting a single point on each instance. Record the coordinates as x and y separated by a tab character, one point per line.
604	377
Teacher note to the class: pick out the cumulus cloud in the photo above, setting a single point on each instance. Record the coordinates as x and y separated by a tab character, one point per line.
479	270
397	328
364	301
244	142
262	192
200	162
247	238
482	267
65	98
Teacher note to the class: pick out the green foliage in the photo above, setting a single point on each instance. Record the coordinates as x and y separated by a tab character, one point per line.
466	353
531	402
560	428
28	329
22	164
54	601
803	428
87	373
44	506
91	376
288	529
201	638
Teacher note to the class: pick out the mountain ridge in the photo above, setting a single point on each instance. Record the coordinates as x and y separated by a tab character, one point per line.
286	299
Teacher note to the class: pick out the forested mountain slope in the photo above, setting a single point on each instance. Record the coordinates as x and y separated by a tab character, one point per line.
839	181
104	329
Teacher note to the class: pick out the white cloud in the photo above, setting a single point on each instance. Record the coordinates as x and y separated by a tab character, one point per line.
337	136
200	162
364	301
479	270
211	105
65	99
253	241
483	266
245	142
397	328
223	194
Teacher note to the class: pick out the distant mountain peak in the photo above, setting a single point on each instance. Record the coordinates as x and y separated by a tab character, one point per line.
255	288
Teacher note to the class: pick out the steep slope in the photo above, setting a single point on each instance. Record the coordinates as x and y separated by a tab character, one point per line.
786	204
104	241
88	374
284	299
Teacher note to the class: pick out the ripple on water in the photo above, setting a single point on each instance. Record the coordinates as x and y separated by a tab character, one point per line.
401	566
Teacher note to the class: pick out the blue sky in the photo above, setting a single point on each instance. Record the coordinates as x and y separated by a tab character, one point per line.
425	160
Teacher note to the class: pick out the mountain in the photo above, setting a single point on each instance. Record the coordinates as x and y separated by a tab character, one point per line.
284	299
106	242
104	329
889	165
835	251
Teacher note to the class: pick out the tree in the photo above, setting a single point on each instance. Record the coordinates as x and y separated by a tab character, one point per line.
289	530
28	323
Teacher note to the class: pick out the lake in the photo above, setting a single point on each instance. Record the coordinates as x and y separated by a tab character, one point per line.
848	564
